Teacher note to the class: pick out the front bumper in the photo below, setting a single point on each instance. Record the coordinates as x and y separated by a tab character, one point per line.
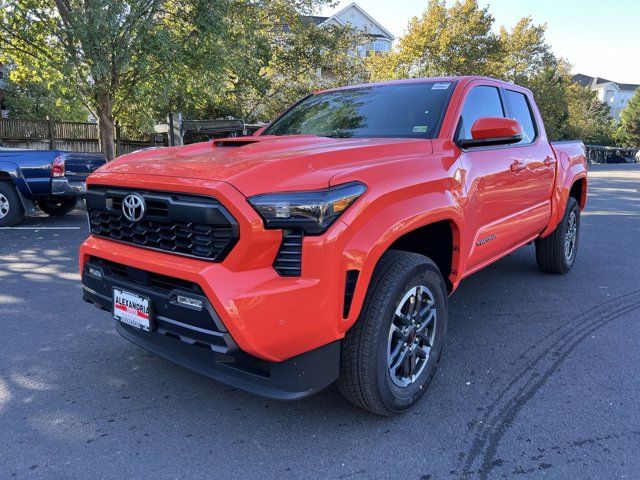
64	188
269	316
197	338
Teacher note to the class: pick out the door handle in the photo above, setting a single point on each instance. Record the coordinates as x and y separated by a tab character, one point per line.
518	166
548	161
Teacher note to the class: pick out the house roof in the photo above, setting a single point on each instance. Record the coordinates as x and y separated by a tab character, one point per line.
389	35
597	83
317	19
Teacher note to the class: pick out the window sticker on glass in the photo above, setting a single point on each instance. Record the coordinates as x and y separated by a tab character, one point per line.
441	86
420	129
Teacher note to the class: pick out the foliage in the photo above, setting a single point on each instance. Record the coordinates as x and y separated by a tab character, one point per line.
275	67
133	61
524	52
458	40
628	132
30	96
589	118
443	41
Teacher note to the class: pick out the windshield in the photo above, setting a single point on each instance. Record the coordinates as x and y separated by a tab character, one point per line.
411	110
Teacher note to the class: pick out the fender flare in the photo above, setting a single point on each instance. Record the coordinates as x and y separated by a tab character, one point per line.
561	194
360	255
22	187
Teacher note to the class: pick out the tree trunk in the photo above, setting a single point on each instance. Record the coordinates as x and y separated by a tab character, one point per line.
106	125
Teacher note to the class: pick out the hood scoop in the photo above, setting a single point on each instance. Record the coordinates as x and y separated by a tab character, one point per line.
235	142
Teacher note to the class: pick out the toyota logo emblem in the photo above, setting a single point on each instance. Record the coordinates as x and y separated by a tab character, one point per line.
133	207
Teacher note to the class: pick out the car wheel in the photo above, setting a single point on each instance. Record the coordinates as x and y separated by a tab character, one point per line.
55	206
556	253
390	355
11	209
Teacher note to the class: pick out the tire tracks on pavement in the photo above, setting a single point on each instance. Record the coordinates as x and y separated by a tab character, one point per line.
485	436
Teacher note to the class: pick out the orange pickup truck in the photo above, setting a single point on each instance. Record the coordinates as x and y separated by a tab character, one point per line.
324	247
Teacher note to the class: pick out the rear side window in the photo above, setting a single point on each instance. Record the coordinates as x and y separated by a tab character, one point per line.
521	111
481	102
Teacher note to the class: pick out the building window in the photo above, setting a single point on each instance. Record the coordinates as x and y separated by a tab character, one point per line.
377	47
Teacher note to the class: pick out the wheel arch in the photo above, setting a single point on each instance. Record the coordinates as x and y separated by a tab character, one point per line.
10	172
574	184
578	191
436	236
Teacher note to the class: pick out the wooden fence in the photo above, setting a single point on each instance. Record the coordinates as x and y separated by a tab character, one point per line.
67	136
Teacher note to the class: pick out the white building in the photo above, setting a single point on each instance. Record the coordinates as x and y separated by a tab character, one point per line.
355	16
614	94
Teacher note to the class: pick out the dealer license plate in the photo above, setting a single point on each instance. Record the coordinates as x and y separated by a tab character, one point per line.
132	309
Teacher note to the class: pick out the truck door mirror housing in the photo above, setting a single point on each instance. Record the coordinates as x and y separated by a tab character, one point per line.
493	131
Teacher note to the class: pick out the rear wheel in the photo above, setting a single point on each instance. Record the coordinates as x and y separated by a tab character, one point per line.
11	209
557	252
391	353
58	206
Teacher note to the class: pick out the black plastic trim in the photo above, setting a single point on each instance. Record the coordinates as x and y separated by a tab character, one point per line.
349	288
292	379
288	261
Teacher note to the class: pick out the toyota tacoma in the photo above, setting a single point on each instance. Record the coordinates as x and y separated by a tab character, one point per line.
324	247
50	179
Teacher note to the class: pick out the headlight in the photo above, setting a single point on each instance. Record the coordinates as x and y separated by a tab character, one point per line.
313	211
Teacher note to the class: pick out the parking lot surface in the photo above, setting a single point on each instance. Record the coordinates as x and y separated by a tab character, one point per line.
540	377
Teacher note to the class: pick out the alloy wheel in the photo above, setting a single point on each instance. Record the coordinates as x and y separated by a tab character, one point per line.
4	206
572	235
411	336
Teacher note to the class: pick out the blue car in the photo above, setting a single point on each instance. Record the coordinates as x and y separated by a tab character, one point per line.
51	180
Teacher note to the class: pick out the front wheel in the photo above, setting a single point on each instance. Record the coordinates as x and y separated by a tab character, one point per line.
58	206
557	252
390	355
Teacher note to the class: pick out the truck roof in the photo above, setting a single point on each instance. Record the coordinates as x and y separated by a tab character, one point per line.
460	78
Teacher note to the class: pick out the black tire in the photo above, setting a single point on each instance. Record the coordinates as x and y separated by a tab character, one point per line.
58	206
365	373
11	209
551	254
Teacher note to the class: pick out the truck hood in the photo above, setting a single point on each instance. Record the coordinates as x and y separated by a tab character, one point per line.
262	164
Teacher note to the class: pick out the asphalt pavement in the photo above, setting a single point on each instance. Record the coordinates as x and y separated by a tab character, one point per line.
540	377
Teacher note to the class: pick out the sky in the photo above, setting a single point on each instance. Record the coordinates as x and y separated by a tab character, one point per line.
598	38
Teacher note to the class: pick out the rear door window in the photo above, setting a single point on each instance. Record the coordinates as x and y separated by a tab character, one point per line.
521	111
483	101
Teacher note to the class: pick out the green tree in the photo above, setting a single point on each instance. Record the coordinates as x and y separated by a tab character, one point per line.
134	61
524	52
455	40
589	118
29	95
628	132
549	89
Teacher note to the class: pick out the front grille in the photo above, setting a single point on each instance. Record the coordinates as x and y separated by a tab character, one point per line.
288	262
189	225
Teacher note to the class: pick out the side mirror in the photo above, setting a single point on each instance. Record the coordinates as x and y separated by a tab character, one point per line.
493	131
